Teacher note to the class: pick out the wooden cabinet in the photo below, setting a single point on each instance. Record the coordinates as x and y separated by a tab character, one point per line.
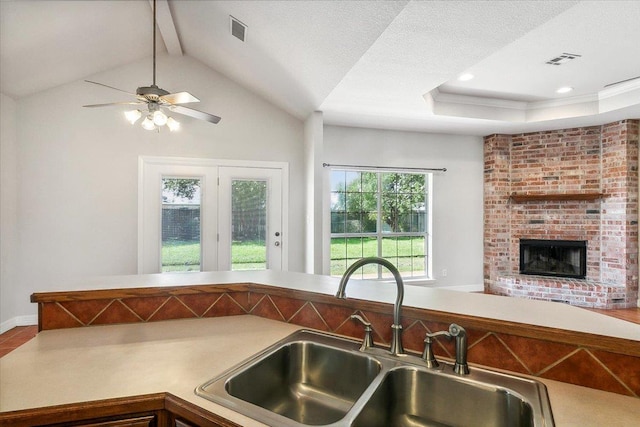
154	410
127	420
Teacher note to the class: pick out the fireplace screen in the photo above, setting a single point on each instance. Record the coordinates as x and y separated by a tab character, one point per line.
561	258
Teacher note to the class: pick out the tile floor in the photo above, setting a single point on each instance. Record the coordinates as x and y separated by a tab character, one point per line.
15	337
628	314
19	335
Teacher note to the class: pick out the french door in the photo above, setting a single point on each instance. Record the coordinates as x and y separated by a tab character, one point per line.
208	215
250	219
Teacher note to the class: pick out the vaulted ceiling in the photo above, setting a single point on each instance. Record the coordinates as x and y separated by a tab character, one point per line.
382	64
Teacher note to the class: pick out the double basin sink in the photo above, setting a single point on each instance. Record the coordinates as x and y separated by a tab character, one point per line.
315	379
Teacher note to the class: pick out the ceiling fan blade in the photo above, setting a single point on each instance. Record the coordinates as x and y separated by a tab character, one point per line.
114	103
110	87
179	98
195	113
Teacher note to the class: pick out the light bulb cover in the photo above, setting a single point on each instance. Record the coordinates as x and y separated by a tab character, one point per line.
132	115
147	123
173	124
564	89
465	77
159	118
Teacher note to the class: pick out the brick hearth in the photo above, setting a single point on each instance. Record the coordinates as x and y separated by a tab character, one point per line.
571	184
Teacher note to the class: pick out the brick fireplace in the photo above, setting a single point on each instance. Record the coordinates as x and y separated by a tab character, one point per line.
576	184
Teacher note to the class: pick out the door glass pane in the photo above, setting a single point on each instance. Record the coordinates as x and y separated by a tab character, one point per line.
249	225
181	224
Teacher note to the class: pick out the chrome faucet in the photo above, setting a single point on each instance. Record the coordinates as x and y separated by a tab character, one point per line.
460	367
396	340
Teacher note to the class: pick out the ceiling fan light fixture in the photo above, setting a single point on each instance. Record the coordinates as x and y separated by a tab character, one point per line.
154	97
159	118
147	123
132	116
173	124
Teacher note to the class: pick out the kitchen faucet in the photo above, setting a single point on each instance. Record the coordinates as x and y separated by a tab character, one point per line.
460	367
396	340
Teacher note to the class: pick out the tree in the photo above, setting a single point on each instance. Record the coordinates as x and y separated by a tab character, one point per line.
403	199
248	207
355	202
181	187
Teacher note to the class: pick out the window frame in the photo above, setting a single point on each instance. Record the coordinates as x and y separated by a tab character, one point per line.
151	169
379	234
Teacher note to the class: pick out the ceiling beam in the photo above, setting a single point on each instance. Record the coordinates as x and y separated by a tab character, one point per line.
167	27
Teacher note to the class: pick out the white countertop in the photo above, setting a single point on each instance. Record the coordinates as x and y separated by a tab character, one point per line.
540	313
100	362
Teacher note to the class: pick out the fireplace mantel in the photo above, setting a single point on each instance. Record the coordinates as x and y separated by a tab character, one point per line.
526	197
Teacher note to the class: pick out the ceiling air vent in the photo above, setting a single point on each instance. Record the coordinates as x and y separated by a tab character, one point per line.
563	59
238	29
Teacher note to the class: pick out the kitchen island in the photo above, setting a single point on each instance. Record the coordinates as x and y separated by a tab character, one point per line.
68	366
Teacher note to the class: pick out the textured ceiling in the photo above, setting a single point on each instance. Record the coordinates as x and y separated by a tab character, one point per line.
386	64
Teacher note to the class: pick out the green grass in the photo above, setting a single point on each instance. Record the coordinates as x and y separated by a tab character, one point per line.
359	247
248	255
405	252
180	255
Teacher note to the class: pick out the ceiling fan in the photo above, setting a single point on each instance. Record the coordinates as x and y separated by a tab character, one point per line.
157	99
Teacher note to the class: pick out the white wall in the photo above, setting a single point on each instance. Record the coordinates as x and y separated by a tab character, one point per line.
457	193
77	180
8	211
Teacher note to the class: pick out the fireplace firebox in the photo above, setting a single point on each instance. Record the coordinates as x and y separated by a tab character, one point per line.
559	258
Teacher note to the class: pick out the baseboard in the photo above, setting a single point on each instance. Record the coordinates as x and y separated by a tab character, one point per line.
433	285
464	288
18	321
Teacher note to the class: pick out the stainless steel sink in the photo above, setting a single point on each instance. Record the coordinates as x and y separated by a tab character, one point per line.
310	383
310	379
313	378
413	397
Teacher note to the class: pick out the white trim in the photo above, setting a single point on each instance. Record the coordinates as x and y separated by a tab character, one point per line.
463	288
562	102
478	100
432	283
619	89
618	96
29	320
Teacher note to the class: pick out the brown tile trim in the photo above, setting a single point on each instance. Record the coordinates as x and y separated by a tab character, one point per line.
256	292
40	297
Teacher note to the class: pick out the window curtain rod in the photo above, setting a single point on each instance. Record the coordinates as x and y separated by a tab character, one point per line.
328	165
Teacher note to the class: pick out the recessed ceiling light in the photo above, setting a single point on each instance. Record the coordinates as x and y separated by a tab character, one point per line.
465	77
564	89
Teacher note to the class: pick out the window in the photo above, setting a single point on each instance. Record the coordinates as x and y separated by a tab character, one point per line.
180	224
248	224
384	214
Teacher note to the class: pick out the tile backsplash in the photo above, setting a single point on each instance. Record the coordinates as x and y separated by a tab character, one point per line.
551	354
